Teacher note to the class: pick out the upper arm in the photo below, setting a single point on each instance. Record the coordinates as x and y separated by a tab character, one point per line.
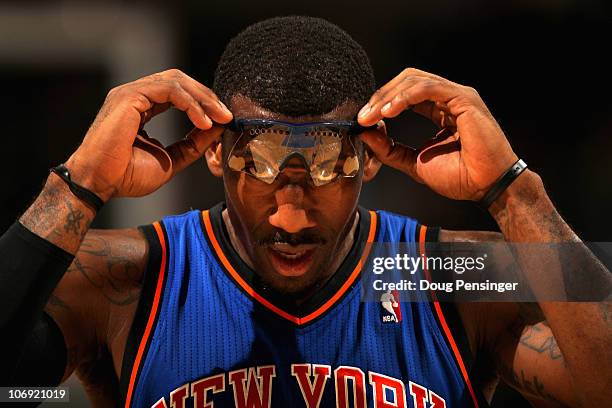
98	292
514	337
528	358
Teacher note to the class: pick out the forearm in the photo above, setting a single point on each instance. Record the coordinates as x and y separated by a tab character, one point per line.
58	216
34	256
524	213
583	331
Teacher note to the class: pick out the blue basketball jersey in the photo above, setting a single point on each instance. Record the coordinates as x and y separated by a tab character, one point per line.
209	333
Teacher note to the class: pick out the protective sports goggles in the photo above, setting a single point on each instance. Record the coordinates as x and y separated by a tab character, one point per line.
265	147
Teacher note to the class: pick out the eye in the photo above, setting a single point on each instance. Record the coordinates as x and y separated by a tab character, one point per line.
351	165
327	163
323	174
264	171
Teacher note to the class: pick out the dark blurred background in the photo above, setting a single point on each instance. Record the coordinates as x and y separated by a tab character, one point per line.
542	66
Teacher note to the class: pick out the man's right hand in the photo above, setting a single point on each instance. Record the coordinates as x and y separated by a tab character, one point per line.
117	159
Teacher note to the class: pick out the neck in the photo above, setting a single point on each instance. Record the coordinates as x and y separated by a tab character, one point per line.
345	247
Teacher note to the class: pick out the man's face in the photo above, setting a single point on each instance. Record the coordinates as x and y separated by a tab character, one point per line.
290	229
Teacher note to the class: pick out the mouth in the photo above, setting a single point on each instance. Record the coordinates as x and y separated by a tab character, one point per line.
291	260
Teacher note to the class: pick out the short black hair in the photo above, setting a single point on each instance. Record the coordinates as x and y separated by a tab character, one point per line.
295	66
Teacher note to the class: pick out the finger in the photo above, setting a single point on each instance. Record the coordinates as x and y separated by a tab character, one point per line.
450	145
396	81
213	107
367	113
207	98
154	111
192	147
420	72
416	90
382	91
438	112
143	135
393	154
155	149
161	92
381	99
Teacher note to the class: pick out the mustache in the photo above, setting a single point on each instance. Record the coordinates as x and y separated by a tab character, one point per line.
284	237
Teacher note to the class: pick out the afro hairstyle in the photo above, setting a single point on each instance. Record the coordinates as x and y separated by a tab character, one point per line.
295	66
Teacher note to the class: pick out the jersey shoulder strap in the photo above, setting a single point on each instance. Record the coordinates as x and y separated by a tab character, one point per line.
147	310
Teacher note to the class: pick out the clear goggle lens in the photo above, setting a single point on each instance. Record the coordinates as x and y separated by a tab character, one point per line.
264	148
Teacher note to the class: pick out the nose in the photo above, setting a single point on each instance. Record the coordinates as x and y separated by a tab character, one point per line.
290	214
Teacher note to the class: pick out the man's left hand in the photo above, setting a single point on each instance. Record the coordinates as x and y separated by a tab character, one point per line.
464	159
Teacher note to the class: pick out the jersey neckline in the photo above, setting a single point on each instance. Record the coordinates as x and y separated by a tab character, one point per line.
330	293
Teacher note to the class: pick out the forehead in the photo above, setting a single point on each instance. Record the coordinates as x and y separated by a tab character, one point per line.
243	107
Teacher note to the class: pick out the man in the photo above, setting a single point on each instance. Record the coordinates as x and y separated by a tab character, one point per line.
255	302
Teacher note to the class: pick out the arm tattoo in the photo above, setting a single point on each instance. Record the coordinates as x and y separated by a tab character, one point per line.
58	216
531	385
533	340
116	276
45	217
566	270
73	221
536	337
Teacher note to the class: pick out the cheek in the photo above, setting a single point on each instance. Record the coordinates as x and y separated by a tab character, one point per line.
251	200
247	190
335	203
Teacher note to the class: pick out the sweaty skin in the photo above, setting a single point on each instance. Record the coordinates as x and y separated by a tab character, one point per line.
290	214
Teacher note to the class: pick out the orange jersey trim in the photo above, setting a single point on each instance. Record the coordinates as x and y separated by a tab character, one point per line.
445	328
248	289
152	315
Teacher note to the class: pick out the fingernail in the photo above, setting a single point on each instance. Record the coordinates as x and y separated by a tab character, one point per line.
386	107
364	111
208	121
224	107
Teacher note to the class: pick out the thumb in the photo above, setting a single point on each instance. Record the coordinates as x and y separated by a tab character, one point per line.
397	155
193	146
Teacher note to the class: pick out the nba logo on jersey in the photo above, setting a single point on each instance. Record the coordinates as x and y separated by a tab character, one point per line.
391	312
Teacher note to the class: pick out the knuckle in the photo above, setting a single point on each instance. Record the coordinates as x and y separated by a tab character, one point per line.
409	79
209	92
139	99
112	92
175	85
386	96
196	106
157	77
429	83
401	97
409	71
472	91
377	93
192	148
174	73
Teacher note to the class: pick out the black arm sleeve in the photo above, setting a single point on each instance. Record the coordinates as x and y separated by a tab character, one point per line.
30	268
43	358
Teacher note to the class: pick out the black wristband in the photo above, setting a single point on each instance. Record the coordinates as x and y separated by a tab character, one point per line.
502	183
81	193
